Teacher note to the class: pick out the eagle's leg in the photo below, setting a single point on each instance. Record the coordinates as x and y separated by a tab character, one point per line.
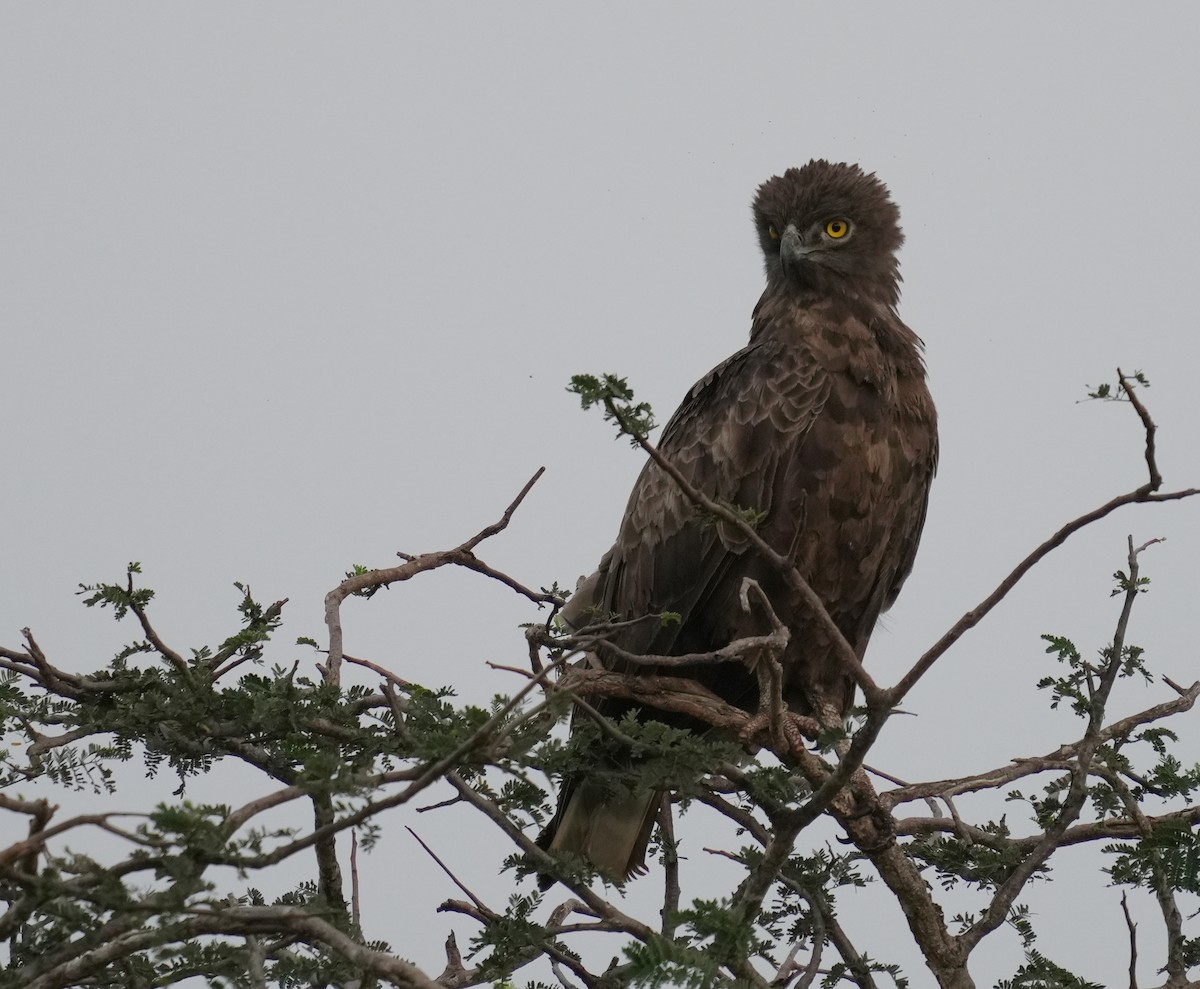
786	730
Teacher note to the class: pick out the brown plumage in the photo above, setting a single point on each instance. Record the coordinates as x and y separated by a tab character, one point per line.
824	423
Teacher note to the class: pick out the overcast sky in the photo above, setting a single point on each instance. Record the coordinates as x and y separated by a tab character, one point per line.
290	286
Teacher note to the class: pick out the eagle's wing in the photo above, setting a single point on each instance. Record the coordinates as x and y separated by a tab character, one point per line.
734	438
813	427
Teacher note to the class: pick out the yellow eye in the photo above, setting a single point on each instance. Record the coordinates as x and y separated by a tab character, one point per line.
837	229
773	232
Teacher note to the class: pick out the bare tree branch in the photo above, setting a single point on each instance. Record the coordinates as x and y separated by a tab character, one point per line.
1132	942
462	555
1107	829
1056	760
670	853
1147	492
810	971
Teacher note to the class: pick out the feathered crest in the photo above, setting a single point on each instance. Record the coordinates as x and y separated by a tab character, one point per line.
807	197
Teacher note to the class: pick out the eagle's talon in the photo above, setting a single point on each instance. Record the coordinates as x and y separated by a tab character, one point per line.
795	731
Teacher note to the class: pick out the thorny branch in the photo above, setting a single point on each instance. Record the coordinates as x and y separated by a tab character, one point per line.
1107	829
457	975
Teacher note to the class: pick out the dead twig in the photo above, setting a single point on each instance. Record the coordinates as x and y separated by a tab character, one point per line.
461	555
1132	941
479	904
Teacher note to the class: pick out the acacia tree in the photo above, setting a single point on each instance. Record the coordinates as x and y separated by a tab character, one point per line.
157	908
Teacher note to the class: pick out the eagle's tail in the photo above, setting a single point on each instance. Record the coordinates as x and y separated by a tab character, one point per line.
610	831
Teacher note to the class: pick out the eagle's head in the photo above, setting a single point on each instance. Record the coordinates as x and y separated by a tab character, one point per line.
832	229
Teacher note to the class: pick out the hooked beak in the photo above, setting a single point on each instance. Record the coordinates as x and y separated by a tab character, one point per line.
792	249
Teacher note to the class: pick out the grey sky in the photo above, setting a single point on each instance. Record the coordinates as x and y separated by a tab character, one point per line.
287	287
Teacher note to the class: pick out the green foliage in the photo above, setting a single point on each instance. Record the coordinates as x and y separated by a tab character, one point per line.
753	517
790	916
333	745
1079	685
1020	919
657	756
1114	392
120	598
824	870
1168	857
1046	807
512	937
772	786
710	937
612	392
864	966
675	963
1125	584
1039	972
359	570
984	865
1073	686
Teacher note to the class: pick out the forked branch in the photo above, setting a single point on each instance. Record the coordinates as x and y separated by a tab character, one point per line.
462	555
